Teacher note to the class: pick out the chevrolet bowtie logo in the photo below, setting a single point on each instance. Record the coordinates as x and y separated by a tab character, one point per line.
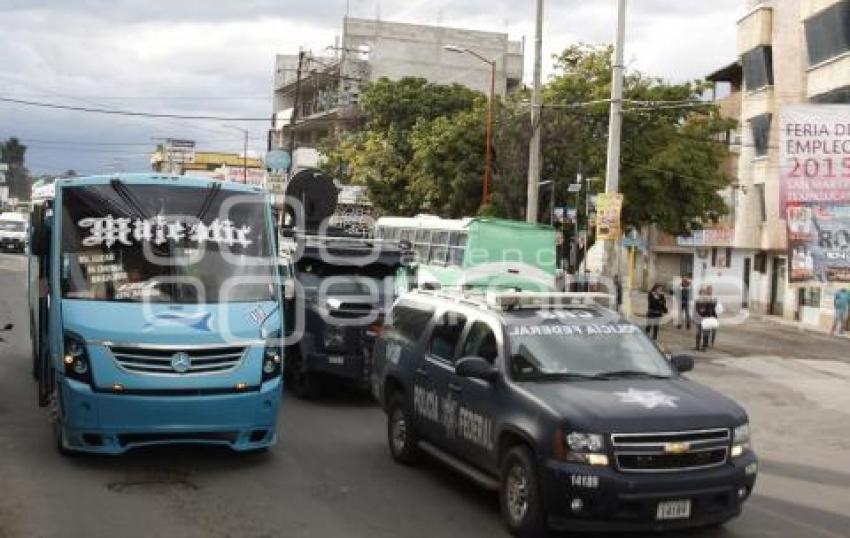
677	448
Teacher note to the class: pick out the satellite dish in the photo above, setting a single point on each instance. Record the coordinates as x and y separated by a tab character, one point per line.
317	195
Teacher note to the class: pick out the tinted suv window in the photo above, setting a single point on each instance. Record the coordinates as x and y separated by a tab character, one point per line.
446	335
410	321
481	342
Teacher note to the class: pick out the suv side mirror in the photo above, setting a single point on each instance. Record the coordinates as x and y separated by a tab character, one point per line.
476	368
682	363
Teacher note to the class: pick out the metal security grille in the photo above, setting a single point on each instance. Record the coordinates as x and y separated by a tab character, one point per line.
149	360
668	452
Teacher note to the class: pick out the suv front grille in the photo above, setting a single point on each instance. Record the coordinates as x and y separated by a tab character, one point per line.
666	452
150	360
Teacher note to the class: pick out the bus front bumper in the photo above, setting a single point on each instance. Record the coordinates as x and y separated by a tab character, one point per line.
111	423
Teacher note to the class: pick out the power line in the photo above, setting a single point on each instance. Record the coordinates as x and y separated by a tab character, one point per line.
125	112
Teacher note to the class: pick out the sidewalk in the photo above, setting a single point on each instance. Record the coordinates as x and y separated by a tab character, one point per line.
800	326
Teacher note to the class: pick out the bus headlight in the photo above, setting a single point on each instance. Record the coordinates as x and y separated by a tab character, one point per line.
76	359
272	361
741	440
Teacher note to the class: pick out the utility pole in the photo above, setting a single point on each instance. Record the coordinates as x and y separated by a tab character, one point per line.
534	157
294	116
245	160
615	126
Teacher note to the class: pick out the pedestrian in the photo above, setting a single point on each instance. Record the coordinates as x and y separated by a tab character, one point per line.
618	291
656	308
842	307
685	302
705	318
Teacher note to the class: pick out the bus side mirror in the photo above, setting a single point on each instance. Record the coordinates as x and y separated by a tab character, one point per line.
8	326
682	363
289	288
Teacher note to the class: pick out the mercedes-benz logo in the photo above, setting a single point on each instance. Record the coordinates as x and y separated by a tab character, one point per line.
181	362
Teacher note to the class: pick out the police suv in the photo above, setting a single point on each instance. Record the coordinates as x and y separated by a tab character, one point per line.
567	409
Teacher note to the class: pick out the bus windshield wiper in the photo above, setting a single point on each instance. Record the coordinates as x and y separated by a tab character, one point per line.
128	198
212	192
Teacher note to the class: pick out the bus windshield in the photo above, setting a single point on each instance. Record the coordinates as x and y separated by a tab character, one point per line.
165	244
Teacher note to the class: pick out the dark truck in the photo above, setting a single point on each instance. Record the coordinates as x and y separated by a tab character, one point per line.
567	410
345	285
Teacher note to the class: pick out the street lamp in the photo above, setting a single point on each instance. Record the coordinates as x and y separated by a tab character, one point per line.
488	159
245	132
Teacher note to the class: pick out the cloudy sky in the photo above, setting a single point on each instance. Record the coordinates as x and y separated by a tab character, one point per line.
215	57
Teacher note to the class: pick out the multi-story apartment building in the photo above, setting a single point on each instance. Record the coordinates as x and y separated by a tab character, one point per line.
317	96
791	52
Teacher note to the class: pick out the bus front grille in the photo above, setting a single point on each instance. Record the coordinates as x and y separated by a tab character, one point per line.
178	361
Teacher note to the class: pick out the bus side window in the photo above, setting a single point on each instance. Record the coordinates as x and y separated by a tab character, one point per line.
457	242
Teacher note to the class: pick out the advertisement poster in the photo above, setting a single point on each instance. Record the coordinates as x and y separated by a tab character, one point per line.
815	191
608	210
819	243
815	155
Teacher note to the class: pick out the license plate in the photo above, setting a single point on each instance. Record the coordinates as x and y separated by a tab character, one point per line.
673	510
336	361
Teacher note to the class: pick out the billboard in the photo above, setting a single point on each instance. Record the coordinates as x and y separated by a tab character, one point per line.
819	243
815	155
815	191
608	209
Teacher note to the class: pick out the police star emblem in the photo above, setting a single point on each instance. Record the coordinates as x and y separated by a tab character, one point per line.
647	398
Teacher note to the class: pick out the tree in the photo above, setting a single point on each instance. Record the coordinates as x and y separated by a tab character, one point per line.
393	155
12	152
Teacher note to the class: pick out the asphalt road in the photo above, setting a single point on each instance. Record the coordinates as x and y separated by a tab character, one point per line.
331	474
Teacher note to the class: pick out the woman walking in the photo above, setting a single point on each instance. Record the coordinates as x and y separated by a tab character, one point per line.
656	308
705	309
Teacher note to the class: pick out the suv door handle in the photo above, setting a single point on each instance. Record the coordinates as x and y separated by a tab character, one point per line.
454	387
422	372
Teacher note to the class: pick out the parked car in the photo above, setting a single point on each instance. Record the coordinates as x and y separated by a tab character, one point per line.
565	408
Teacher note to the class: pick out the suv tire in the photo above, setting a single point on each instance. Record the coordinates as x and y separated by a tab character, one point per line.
302	382
519	495
401	435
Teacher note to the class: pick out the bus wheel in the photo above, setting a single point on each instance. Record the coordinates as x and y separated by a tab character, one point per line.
302	382
54	416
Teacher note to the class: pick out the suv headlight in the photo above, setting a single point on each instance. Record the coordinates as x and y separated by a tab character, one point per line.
75	359
334	337
588	448
741	440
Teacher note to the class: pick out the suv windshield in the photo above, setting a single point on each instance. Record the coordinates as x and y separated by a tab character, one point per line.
12	226
151	245
595	349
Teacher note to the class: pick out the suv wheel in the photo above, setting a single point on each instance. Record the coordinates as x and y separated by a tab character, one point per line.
401	435
519	495
303	383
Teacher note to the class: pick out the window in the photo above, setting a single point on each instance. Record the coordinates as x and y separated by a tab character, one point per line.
481	342
760	263
828	33
422	244
760	126
457	246
439	248
839	96
446	335
809	297
760	200
410	321
758	67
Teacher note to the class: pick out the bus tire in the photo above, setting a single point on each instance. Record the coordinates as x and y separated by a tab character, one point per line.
55	415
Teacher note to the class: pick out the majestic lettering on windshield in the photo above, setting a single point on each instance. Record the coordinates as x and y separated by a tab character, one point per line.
108	231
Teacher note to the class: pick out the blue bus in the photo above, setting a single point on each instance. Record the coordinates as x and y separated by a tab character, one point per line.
155	310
